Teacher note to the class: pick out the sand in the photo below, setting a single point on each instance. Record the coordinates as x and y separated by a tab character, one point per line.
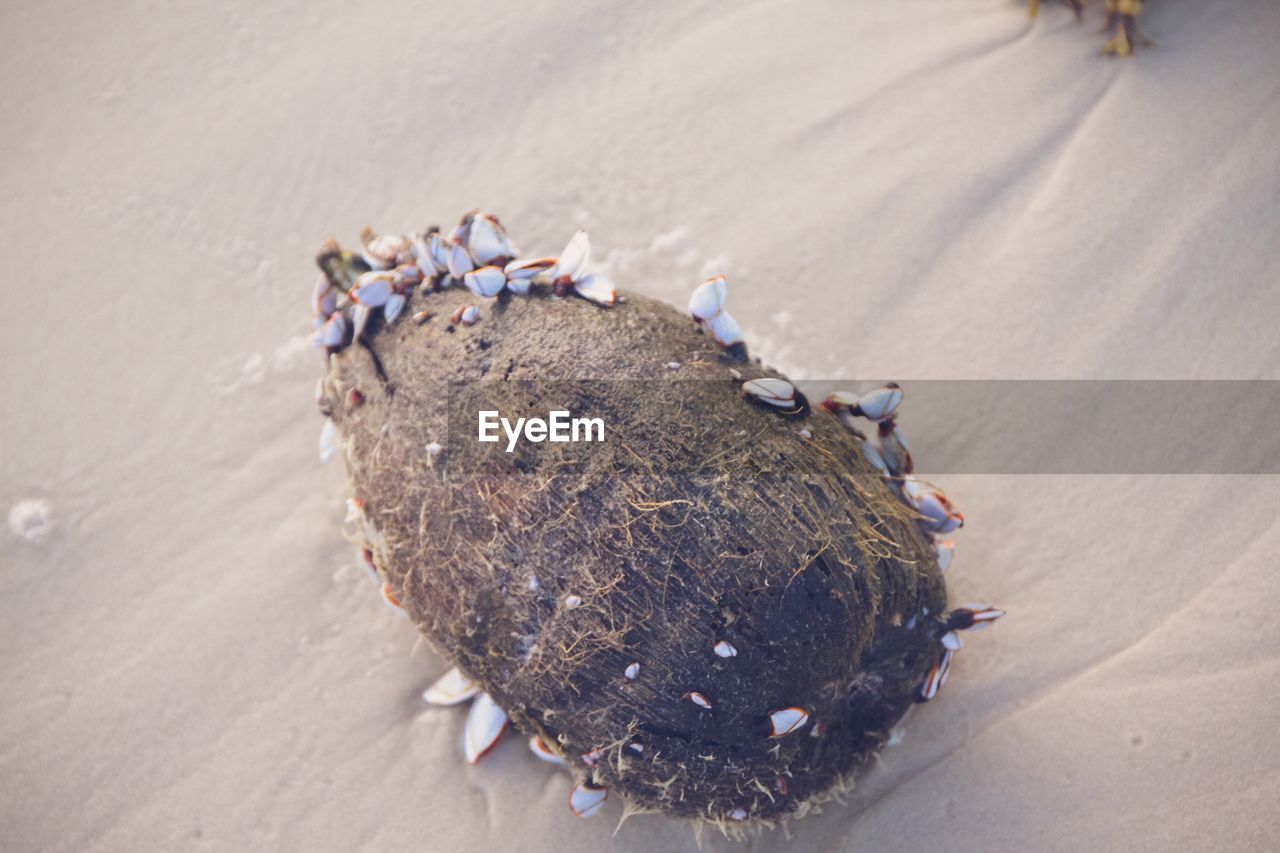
918	190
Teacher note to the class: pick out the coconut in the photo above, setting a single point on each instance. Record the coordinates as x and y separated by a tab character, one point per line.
718	613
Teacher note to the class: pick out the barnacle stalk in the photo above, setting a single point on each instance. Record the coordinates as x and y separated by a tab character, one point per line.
1122	23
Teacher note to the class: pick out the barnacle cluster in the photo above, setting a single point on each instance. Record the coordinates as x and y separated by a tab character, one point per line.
1121	24
719	614
477	254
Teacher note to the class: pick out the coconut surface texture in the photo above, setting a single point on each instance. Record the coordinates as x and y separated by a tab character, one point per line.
703	518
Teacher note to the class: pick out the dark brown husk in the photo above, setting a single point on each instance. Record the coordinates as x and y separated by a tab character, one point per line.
702	518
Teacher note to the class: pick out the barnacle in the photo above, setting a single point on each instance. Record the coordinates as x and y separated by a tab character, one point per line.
719	613
1121	24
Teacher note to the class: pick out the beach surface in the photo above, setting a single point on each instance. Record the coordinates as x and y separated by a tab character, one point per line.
193	658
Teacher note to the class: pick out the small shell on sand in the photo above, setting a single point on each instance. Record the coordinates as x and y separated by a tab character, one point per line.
31	519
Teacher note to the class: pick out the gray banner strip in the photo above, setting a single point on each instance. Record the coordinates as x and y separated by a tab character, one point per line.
1088	426
1048	426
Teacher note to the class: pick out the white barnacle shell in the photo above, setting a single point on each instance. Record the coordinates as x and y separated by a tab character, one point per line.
487	240
370	568
632	672
974	617
881	403
324	299
873	455
838	400
520	274
573	260
893	449
586	799
946	551
598	288
931	684
359	319
698	699
329	440
738	813
373	288
355	511
945	667
485	724
452	688
539	748
389	598
381	251
405	277
438	252
775	392
395	304
724	329
572	601
485	282
725	650
708	298
421	254
333	332
784	721
462	231
940	514
459	261
845	415
528	268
